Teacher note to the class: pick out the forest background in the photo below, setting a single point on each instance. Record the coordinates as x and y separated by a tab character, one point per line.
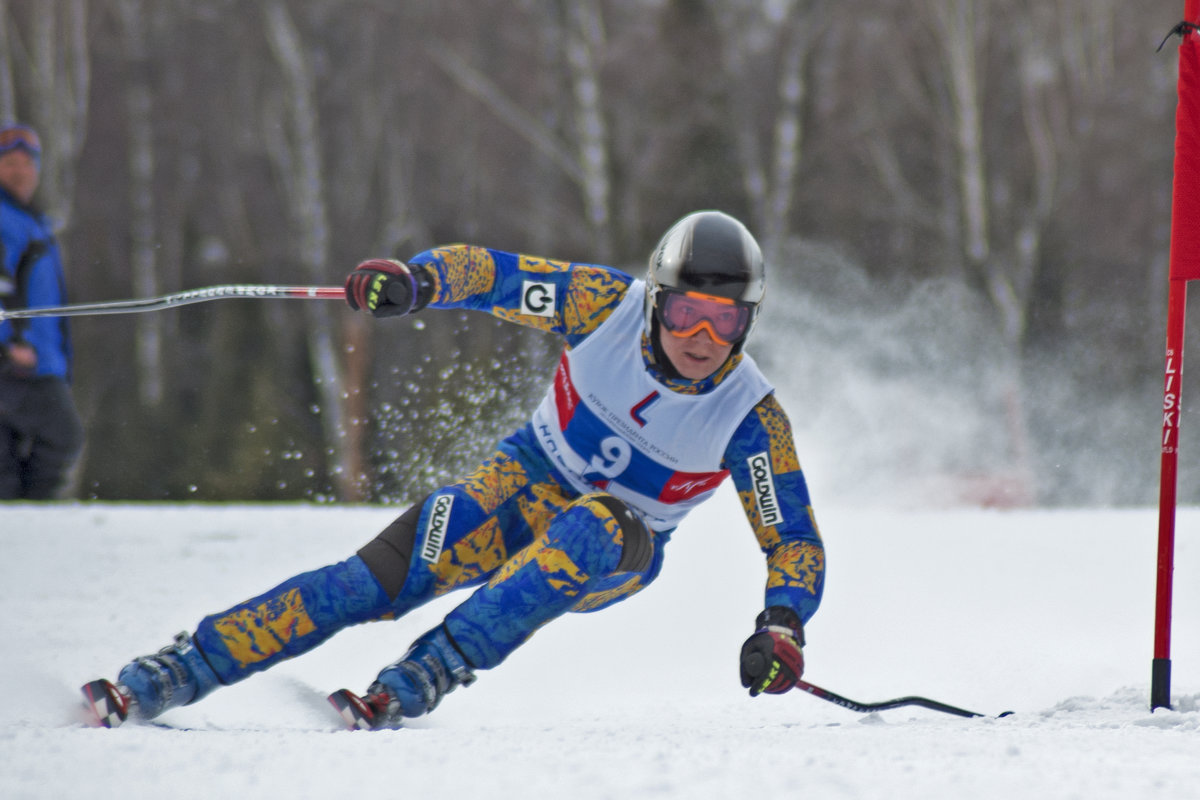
965	205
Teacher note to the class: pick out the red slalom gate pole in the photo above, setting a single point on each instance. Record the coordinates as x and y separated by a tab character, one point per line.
1185	266
1160	680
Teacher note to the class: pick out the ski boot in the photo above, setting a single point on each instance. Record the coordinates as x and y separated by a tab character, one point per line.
413	686
149	685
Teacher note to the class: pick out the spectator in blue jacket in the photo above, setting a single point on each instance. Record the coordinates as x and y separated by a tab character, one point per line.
40	431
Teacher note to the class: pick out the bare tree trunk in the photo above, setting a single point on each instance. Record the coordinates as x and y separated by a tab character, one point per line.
143	230
788	135
299	162
8	97
61	78
956	25
960	34
479	86
587	163
1038	49
585	43
770	180
545	211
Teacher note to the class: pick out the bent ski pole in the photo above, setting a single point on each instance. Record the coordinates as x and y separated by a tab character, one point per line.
854	705
244	291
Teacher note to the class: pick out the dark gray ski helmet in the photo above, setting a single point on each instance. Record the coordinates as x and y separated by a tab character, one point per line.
711	253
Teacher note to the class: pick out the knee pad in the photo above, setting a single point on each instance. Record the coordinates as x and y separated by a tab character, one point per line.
389	554
637	546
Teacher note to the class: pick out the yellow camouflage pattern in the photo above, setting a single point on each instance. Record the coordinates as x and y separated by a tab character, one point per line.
495	481
798	564
543	265
470	558
563	575
779	428
560	571
545	324
547	503
591	298
783	461
602	513
466	272
600	599
254	634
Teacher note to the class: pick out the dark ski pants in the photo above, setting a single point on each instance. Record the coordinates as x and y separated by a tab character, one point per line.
40	437
532	549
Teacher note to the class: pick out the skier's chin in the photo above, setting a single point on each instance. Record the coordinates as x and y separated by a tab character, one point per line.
695	357
695	368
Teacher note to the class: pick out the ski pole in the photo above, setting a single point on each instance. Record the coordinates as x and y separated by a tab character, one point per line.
244	291
854	705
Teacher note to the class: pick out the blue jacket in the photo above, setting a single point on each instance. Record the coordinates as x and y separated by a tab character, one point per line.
31	275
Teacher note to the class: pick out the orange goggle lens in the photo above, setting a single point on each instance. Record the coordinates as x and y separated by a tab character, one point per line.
685	313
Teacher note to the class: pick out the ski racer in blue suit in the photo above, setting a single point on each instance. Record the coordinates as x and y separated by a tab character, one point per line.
652	406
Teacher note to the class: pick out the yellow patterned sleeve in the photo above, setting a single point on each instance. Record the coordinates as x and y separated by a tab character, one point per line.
796	565
560	297
463	273
777	504
592	295
587	294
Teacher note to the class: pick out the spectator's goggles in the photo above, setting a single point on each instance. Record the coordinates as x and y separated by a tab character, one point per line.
685	313
19	136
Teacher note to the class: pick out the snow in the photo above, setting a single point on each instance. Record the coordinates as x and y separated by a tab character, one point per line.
1046	613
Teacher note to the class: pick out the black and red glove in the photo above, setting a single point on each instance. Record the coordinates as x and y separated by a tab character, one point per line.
384	287
772	660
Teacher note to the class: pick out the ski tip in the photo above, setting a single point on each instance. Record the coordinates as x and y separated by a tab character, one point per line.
353	710
1004	714
106	705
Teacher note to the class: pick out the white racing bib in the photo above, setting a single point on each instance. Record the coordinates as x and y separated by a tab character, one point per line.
608	425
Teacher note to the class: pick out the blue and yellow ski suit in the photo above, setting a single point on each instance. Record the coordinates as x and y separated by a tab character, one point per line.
539	532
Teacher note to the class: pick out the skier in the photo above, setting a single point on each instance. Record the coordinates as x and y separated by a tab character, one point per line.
653	404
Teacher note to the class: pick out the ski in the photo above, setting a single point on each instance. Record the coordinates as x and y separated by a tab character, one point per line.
109	707
354	710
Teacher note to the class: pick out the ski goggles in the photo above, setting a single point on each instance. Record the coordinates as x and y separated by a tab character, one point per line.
685	313
20	136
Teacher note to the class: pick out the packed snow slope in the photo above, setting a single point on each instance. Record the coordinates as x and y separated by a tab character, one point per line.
1049	614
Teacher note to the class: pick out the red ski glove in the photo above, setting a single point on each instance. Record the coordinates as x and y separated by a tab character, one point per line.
384	288
772	660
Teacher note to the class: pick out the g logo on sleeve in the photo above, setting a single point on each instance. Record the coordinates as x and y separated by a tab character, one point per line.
537	299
